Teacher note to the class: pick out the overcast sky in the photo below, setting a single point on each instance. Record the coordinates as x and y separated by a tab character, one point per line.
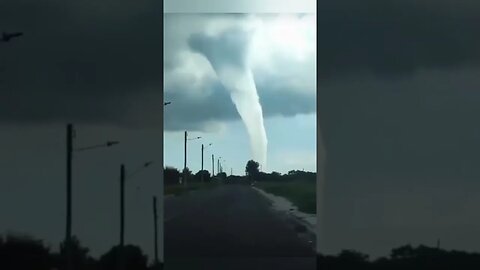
398	109
398	106
97	65
282	57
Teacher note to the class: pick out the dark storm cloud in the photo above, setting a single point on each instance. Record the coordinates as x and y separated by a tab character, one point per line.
398	103
80	62
400	83
396	38
402	161
194	113
425	122
229	47
420	121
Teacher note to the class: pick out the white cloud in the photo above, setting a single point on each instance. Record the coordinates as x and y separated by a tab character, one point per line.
260	6
192	74
284	48
294	160
282	57
283	36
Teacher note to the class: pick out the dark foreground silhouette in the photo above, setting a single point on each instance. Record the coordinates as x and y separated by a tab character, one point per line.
25	252
405	257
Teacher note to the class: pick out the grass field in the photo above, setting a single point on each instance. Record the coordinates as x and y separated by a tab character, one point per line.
301	193
180	188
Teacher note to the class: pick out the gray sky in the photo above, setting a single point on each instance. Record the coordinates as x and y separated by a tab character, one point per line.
245	6
98	66
398	108
282	58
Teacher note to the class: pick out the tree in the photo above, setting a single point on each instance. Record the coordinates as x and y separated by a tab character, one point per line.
132	257
222	176
276	174
186	173
252	169
171	176
295	172
205	174
353	256
402	252
80	256
24	252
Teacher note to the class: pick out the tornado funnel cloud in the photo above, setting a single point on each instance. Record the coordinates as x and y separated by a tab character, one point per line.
244	96
227	53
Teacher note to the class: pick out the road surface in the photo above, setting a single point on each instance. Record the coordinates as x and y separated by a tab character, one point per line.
232	227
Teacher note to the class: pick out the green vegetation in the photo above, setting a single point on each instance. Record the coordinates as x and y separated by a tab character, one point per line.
301	193
200	180
299	187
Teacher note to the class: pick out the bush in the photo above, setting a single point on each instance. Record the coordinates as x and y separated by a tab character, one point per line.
132	257
24	252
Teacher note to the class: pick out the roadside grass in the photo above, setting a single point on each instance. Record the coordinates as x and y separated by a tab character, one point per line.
300	192
180	189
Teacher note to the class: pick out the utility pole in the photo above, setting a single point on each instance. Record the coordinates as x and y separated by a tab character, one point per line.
185	154
120	258
202	156
122	204
185	161
155	236
218	165
68	236
213	165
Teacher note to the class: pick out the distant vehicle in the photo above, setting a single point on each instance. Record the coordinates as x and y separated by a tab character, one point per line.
8	36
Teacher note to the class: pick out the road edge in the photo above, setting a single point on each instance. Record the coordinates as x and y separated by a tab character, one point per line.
311	227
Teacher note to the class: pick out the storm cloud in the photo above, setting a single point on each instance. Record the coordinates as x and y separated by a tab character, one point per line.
396	38
100	63
191	83
86	62
403	79
397	108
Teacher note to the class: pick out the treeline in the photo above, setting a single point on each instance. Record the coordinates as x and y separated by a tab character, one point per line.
25	252
273	177
172	176
254	174
293	175
405	257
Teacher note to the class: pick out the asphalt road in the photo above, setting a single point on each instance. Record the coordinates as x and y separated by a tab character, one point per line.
232	227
